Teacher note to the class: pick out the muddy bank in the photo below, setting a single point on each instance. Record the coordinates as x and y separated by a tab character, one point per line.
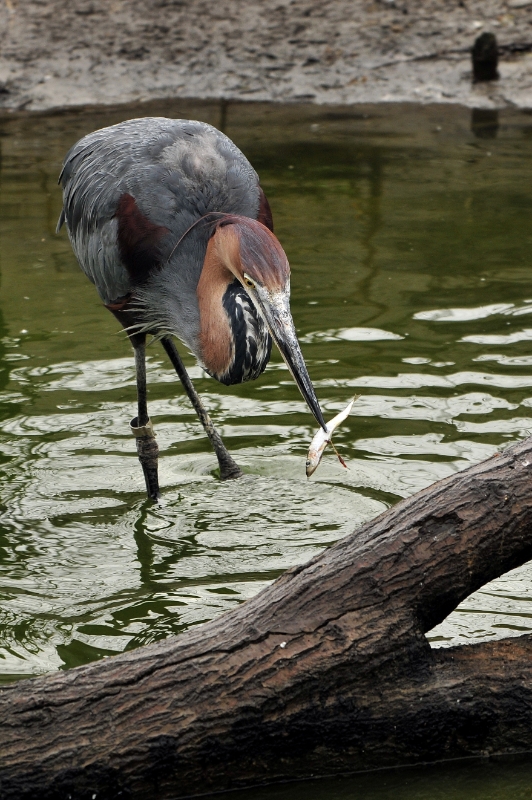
76	52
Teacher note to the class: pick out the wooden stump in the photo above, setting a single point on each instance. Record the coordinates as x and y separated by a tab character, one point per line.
326	670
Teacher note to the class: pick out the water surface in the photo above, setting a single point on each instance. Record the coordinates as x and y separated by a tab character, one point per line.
409	237
488	779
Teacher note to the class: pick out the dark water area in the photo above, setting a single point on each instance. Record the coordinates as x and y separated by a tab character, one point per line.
409	234
506	779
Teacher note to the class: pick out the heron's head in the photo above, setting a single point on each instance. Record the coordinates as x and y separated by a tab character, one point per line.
245	249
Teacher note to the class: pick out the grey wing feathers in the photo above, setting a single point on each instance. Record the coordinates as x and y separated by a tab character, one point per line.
177	171
89	205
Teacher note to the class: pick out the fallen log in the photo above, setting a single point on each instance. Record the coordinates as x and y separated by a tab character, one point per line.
326	670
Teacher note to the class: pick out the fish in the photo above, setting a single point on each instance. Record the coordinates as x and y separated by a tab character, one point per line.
323	438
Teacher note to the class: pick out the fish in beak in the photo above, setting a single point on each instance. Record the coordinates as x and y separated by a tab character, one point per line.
322	439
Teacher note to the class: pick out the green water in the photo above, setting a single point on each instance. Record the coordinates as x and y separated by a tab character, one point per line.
509	779
409	236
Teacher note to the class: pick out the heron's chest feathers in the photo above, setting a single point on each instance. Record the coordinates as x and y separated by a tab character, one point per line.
252	341
235	344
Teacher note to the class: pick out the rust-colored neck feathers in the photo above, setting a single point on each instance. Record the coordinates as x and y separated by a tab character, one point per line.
216	341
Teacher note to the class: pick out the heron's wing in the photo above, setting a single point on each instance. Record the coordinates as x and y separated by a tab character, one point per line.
91	190
265	213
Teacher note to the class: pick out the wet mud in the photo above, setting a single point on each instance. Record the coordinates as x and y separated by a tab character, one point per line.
64	53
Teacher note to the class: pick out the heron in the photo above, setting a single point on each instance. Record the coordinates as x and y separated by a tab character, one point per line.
168	220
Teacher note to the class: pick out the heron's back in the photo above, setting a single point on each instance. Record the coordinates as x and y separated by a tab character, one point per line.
132	190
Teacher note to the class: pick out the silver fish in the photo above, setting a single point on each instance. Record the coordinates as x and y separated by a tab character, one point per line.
322	439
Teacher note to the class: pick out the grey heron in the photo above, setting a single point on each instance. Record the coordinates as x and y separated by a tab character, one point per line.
168	219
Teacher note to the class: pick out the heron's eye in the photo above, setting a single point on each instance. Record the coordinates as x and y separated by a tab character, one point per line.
307	463
248	281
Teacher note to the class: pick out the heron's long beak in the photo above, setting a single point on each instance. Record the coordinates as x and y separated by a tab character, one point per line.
275	309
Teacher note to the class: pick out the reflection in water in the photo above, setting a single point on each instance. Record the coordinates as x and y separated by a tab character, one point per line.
224	104
486	779
409	285
485	122
373	220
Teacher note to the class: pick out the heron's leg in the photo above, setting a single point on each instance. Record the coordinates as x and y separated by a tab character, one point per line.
141	426
228	467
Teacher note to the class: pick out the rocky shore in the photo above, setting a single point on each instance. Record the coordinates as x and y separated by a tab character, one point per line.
64	53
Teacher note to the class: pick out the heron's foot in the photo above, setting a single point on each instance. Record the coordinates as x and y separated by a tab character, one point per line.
148	452
229	469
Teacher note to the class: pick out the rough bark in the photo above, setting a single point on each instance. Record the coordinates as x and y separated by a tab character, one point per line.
328	669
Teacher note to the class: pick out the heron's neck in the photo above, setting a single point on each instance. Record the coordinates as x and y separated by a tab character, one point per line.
216	339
